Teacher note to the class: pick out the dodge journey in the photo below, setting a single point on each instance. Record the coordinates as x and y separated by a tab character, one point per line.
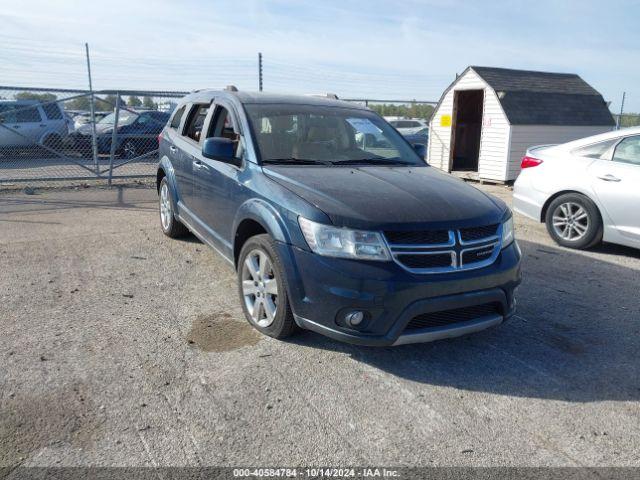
333	221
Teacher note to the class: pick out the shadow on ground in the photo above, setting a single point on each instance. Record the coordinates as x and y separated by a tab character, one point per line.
574	338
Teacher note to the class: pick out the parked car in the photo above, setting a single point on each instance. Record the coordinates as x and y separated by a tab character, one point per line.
409	126
586	191
420	137
329	235
84	118
137	133
29	123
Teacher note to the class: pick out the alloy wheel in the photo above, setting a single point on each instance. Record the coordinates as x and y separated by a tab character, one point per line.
260	288
570	221
165	207
129	150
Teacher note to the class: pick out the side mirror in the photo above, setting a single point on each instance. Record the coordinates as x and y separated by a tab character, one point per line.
220	149
420	150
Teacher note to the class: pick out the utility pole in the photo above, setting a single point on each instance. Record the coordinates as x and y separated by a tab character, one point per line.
624	94
92	108
259	71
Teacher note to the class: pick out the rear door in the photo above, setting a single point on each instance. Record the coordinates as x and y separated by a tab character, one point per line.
172	132
188	149
30	123
20	124
616	182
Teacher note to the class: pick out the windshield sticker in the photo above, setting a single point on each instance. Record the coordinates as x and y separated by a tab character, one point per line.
364	125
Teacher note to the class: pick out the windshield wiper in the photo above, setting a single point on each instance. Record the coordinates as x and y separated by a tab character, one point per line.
373	161
296	161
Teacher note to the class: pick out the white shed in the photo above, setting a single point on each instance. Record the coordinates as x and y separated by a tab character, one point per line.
488	117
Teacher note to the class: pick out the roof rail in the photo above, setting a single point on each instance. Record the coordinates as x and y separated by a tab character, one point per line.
333	96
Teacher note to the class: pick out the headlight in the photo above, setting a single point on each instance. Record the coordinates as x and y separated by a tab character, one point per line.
342	242
508	235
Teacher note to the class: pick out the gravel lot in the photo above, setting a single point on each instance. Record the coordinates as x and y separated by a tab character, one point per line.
123	347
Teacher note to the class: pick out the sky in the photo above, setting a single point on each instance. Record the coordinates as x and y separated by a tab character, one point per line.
410	49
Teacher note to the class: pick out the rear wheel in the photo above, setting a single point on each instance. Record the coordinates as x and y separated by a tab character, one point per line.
171	226
574	221
130	149
263	288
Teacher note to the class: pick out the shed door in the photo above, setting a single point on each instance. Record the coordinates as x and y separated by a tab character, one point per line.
466	129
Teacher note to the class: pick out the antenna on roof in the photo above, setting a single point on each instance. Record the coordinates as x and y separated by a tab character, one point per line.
231	88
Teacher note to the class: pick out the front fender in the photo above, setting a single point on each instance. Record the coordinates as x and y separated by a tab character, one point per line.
266	215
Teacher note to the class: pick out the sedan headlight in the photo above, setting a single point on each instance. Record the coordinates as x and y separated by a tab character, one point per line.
508	235
341	242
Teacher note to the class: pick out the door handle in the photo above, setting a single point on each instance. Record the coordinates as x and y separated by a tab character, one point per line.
173	149
16	126
43	124
198	164
609	178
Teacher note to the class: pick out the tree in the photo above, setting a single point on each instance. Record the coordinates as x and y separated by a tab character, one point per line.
134	101
148	103
41	97
412	110
79	103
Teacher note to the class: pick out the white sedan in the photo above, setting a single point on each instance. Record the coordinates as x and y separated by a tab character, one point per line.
586	191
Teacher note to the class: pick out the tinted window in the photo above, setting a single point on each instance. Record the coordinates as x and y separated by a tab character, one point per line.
7	113
52	111
628	151
195	122
596	150
177	117
26	114
406	124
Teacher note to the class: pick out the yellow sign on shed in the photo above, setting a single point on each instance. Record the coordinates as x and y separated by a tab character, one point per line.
445	120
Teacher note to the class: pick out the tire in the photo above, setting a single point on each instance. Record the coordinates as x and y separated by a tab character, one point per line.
129	149
170	225
281	323
574	221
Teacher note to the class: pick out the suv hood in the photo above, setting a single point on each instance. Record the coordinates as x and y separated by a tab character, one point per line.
372	197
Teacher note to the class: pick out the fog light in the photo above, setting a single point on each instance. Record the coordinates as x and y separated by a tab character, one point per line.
354	318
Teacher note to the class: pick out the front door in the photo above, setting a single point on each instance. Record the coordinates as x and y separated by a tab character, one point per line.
616	182
215	181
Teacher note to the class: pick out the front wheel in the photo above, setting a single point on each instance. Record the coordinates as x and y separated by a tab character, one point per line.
263	288
574	221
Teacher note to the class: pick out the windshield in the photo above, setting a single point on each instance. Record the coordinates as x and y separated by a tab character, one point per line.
307	134
124	118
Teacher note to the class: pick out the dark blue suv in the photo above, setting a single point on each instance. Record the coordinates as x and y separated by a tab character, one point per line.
328	230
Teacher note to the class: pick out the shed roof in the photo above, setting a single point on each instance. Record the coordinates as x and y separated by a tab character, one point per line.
545	98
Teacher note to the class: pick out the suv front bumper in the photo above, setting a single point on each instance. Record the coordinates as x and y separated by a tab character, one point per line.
322	289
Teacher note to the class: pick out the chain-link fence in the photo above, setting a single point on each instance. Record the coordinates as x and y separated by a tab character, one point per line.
75	135
50	136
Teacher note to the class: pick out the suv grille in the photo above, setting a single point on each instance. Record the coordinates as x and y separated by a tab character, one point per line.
428	237
476	233
427	261
450	317
441	251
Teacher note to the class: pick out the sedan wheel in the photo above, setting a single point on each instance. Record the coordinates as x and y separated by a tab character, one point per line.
260	288
574	221
570	221
129	149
